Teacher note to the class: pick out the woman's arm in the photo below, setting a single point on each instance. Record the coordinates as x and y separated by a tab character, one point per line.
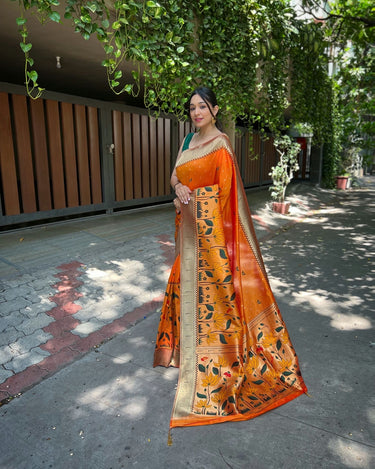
182	192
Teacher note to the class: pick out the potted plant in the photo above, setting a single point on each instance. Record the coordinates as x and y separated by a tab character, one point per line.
282	173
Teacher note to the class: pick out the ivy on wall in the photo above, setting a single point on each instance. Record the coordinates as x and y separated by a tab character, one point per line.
257	56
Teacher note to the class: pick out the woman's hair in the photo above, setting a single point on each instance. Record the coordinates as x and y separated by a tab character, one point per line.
209	98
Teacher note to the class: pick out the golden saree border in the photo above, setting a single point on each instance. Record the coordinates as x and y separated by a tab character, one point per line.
200	151
184	396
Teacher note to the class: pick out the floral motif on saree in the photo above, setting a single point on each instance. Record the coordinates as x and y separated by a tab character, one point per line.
219	321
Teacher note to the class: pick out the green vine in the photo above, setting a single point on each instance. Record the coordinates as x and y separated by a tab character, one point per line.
261	60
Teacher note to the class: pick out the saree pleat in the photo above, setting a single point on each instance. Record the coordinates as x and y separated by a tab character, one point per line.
219	321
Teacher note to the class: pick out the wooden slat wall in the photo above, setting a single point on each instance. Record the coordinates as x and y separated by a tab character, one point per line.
50	156
142	156
56	155
254	160
23	150
270	158
7	160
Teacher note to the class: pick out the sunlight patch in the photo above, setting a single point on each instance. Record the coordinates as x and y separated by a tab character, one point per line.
350	453
325	306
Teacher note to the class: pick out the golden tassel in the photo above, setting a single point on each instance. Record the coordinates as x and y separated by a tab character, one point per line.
308	395
170	441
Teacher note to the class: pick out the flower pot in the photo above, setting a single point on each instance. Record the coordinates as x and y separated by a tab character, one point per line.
281	207
342	182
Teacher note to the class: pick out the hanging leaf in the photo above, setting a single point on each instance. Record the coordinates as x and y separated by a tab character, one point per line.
26	47
201	396
278	344
263	369
202	368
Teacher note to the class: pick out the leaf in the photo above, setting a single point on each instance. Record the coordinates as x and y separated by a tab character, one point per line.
227	279
260	335
209	273
202	368
20	21
278	329
253	398
222	339
180	49
259	381
215	371
54	16
209	231
231	399
278	344
118	74
209	222
201	396
235	364
287	373
229	322
263	369
210	307
209	316
25	47
33	75
224	404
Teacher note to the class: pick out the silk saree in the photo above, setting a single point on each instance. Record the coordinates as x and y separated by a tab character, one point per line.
219	321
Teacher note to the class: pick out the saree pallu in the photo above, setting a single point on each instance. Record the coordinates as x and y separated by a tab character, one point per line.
219	321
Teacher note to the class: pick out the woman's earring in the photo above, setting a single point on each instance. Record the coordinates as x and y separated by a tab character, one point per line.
213	120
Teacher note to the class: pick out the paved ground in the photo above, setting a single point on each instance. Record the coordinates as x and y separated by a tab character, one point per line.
87	294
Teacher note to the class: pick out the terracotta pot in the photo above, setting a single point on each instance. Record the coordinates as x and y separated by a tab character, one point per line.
342	182
281	207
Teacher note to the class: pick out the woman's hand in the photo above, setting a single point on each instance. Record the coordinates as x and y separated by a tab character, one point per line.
182	192
177	204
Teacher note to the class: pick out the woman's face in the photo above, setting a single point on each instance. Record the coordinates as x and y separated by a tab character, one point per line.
200	113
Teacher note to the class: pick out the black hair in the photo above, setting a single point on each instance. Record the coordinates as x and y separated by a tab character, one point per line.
209	98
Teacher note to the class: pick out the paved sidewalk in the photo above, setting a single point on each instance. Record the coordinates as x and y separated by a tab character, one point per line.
67	289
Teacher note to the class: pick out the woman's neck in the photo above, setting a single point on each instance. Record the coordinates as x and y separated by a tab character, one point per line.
206	132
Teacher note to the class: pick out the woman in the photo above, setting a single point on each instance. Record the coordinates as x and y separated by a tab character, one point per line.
219	321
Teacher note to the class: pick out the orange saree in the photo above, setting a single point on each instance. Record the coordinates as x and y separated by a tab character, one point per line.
219	322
